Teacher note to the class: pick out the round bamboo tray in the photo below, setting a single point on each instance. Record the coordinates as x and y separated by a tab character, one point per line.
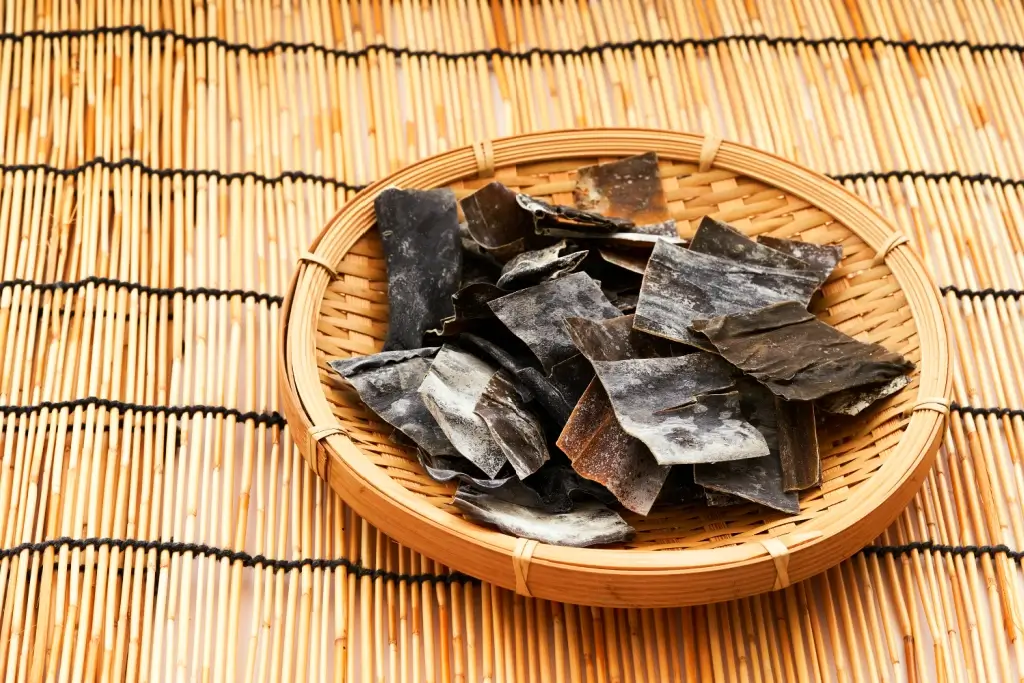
872	465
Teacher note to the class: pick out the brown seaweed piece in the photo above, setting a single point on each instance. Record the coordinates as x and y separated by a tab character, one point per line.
758	480
632	260
388	383
613	339
721	239
854	401
535	314
667	404
495	220
629	188
796	355
569	218
514	428
413	223
469	305
600	450
589	523
454	383
446	468
534	267
822	258
682	285
798	445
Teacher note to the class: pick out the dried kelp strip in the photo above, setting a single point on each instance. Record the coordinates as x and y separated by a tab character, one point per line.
602	451
667	404
534	267
446	468
535	314
822	258
632	260
620	240
470	304
720	500
542	389
495	220
412	224
388	383
629	188
680	487
798	445
720	239
624	301
682	285
571	377
513	427
451	389
559	487
796	355
569	218
588	524
855	401
758	480
614	339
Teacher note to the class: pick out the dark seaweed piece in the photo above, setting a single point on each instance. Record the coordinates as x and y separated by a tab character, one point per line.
496	221
619	240
720	500
388	383
822	258
569	218
412	224
470	305
600	450
534	267
478	265
544	391
796	355
512	426
680	487
450	390
758	480
682	285
854	401
560	487
571	377
798	445
667	404
614	339
624	301
629	188
631	260
588	524
445	468
535	314
724	241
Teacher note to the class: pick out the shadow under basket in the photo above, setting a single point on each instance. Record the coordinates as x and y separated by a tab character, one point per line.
682	554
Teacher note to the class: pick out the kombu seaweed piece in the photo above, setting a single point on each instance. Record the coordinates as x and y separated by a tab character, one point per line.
543	390
822	258
559	487
796	355
478	265
624	301
600	450
667	403
445	468
450	390
682	285
535	314
632	260
720	500
494	218
570	377
680	487
619	240
629	188
470	305
534	267
614	339
512	426
758	480
388	383
412	224
569	218
798	445
855	401
724	241
588	524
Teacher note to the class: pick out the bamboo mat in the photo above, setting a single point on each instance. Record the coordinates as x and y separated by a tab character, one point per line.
165	163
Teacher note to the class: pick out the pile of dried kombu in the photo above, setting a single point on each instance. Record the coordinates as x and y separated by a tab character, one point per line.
560	362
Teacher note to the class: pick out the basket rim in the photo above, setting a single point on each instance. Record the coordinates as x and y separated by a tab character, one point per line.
836	534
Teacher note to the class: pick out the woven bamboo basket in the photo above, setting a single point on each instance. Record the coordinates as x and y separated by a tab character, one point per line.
872	465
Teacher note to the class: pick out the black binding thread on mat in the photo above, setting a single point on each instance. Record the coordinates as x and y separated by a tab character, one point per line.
129	162
248	560
985	412
145	290
270	418
771	41
928	175
997	293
